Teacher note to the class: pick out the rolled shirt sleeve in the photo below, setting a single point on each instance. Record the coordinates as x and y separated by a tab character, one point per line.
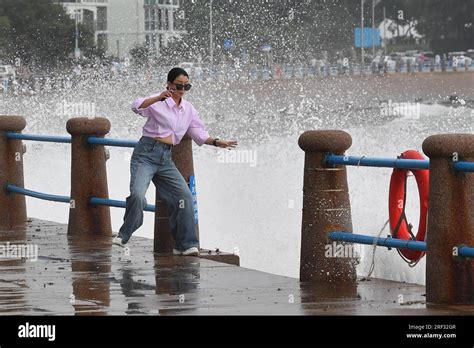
197	129
145	112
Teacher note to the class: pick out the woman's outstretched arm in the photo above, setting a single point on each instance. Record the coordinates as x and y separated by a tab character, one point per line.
222	143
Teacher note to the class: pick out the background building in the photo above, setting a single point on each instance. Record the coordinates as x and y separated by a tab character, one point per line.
119	25
143	22
93	14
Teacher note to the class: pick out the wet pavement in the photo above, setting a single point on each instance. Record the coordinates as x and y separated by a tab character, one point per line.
78	276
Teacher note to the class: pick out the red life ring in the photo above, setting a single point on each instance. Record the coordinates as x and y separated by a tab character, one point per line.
399	227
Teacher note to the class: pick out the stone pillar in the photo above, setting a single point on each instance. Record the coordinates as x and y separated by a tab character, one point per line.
449	279
88	178
326	208
12	205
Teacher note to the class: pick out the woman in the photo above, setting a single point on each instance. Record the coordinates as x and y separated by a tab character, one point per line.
169	118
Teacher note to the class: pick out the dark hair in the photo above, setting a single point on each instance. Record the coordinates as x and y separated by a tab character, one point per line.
175	72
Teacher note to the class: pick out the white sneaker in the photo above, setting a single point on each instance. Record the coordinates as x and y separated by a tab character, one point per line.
191	252
118	241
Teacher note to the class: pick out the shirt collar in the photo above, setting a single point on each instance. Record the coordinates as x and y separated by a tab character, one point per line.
170	101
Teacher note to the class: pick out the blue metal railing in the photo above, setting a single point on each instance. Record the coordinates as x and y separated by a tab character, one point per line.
67	139
377	162
400	163
115	203
111	142
66	199
466	251
388	242
36	137
385	242
39	195
464	166
330	158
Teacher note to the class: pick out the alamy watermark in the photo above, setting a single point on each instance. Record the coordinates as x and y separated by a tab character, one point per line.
342	250
19	251
37	331
238	156
409	110
76	109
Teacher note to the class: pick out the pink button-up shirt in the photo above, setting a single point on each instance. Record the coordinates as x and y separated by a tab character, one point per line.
165	118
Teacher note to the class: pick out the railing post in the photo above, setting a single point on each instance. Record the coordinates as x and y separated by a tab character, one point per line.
183	158
12	205
449	279
326	208
88	178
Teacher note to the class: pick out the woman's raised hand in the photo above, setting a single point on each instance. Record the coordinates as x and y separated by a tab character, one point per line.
165	94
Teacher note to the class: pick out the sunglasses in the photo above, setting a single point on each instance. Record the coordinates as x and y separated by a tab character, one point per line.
180	86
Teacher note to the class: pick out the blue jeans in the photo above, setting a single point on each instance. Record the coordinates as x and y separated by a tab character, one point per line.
151	161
